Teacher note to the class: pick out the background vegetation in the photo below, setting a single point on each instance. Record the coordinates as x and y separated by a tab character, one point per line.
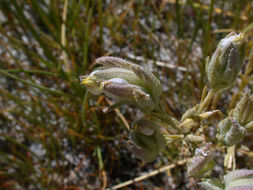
54	135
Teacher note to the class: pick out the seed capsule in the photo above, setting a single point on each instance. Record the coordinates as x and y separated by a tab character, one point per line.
230	132
202	163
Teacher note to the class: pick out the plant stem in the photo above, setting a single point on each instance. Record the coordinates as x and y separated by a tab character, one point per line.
205	103
249	126
165	117
150	174
63	35
229	161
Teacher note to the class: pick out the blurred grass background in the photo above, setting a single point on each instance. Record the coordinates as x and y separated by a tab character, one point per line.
53	134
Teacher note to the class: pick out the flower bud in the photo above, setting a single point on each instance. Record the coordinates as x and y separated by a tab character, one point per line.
124	81
146	140
190	113
187	121
149	81
243	111
120	90
239	180
187	125
226	62
230	132
202	163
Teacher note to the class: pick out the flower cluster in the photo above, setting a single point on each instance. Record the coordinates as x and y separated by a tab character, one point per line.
125	82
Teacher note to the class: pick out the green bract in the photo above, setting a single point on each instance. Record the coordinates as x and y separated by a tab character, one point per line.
124	82
212	184
226	62
146	140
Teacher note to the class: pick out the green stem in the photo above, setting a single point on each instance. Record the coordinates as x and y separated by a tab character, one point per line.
85	101
57	92
207	40
165	117
206	102
31	71
249	126
229	161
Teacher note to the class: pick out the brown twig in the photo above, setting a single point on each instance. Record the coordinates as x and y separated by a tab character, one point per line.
150	174
120	115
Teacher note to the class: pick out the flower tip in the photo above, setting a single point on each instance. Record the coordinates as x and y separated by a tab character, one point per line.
85	81
99	60
105	59
240	37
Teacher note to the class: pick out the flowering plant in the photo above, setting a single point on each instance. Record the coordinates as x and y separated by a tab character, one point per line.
126	83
